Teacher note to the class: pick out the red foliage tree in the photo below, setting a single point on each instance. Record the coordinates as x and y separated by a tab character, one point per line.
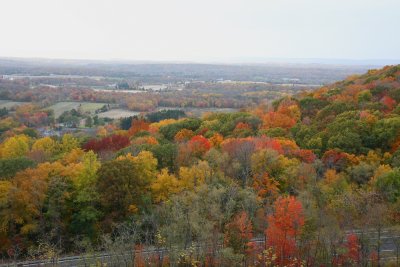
230	146
334	159
352	254
284	226
353	248
111	143
199	145
389	102
269	143
370	85
307	155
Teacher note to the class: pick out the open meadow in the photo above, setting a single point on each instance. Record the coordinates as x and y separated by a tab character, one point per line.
61	107
8	103
117	113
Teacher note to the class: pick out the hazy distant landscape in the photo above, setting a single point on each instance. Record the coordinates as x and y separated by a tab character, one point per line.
164	81
307	73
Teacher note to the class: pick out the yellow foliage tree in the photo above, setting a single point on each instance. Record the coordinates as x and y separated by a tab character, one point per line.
87	175
15	146
69	143
145	162
195	175
46	144
279	167
156	125
74	156
267	161
379	172
331	177
165	185
26	196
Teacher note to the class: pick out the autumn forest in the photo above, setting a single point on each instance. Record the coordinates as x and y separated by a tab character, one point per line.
199	170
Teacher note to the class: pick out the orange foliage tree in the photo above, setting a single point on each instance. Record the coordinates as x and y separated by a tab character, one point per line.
266	187
145	140
184	135
241	126
286	115
138	125
216	140
284	227
275	119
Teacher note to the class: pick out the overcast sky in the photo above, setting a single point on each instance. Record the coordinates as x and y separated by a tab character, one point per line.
200	30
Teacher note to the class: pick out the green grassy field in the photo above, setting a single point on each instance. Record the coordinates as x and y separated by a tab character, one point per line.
60	107
9	103
118	113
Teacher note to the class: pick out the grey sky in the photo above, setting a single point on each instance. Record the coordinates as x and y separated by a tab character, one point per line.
202	30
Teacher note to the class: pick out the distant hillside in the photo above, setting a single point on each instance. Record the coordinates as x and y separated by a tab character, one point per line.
355	115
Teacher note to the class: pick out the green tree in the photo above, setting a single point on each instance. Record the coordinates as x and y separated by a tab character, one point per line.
56	211
165	154
274	132
347	141
85	198
9	167
88	122
384	133
364	96
124	183
388	184
361	173
71	121
31	132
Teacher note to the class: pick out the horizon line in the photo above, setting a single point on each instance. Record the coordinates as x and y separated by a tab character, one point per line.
227	61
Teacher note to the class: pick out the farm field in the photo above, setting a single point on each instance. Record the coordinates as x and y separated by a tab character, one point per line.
117	90
201	111
8	104
198	112
117	113
61	107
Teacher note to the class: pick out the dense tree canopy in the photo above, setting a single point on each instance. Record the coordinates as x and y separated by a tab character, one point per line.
300	173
